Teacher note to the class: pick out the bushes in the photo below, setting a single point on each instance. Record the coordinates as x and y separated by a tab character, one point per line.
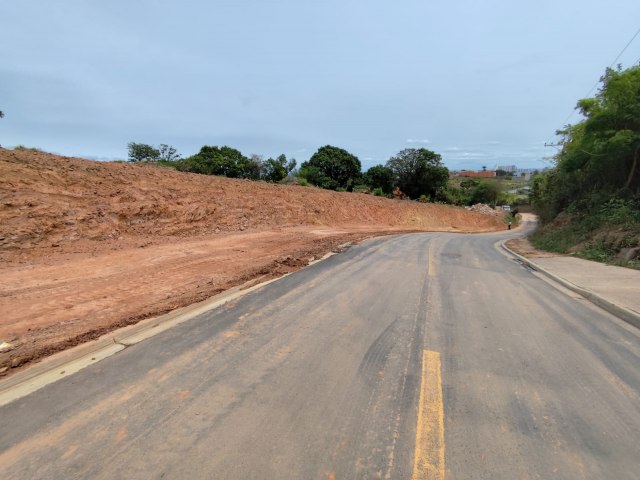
379	178
225	161
621	213
22	148
485	192
595	232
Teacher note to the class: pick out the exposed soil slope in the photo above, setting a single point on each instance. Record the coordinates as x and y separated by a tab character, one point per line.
86	247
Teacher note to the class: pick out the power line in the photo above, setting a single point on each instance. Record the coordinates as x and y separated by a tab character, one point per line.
614	62
596	84
625	48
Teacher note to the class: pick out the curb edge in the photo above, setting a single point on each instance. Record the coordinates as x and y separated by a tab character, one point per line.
624	314
77	358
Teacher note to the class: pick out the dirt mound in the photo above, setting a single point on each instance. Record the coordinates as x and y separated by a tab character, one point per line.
484	209
86	247
47	199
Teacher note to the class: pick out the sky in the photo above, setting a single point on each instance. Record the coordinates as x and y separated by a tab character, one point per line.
483	83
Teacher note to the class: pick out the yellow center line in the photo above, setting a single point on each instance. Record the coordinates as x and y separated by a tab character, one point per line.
429	455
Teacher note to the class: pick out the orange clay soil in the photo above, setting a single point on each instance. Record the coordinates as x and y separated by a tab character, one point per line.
87	247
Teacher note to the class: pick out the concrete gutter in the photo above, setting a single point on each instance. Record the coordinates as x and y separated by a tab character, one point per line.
625	314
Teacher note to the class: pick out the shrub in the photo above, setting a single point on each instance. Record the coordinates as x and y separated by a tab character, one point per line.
22	148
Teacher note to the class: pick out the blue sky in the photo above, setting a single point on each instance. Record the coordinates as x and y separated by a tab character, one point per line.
481	83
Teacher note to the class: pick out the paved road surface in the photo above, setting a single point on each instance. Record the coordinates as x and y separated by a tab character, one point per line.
404	357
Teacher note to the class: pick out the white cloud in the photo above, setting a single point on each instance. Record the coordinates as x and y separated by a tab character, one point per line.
493	142
473	155
414	140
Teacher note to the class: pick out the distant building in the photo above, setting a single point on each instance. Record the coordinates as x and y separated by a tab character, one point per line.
507	168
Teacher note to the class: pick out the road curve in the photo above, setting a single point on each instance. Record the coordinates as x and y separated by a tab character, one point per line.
414	356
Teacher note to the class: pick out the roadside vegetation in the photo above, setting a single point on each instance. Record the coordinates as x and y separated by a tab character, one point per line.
589	204
491	191
416	174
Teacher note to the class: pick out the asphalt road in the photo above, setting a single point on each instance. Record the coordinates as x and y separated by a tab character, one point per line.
412	356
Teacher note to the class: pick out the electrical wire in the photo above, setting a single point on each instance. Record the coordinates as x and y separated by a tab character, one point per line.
596	84
614	62
625	48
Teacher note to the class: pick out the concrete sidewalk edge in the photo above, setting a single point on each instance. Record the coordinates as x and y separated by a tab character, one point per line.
629	316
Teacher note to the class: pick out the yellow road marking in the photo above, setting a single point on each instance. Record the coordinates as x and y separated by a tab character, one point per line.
429	455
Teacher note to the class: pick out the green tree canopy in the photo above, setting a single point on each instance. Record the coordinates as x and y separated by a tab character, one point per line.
380	177
600	155
419	172
274	170
225	161
485	192
332	167
141	152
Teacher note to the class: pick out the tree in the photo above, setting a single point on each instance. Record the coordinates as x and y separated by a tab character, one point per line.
600	155
274	170
225	161
419	172
168	153
380	177
486	192
140	152
314	176
333	168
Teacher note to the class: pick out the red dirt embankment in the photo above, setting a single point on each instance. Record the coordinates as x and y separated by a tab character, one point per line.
87	247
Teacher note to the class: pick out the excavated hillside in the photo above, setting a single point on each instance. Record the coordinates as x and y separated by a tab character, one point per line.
87	247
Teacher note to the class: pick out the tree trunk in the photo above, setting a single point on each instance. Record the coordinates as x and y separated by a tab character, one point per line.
633	168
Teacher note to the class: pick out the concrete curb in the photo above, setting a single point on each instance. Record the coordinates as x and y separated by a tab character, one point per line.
624	314
68	362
